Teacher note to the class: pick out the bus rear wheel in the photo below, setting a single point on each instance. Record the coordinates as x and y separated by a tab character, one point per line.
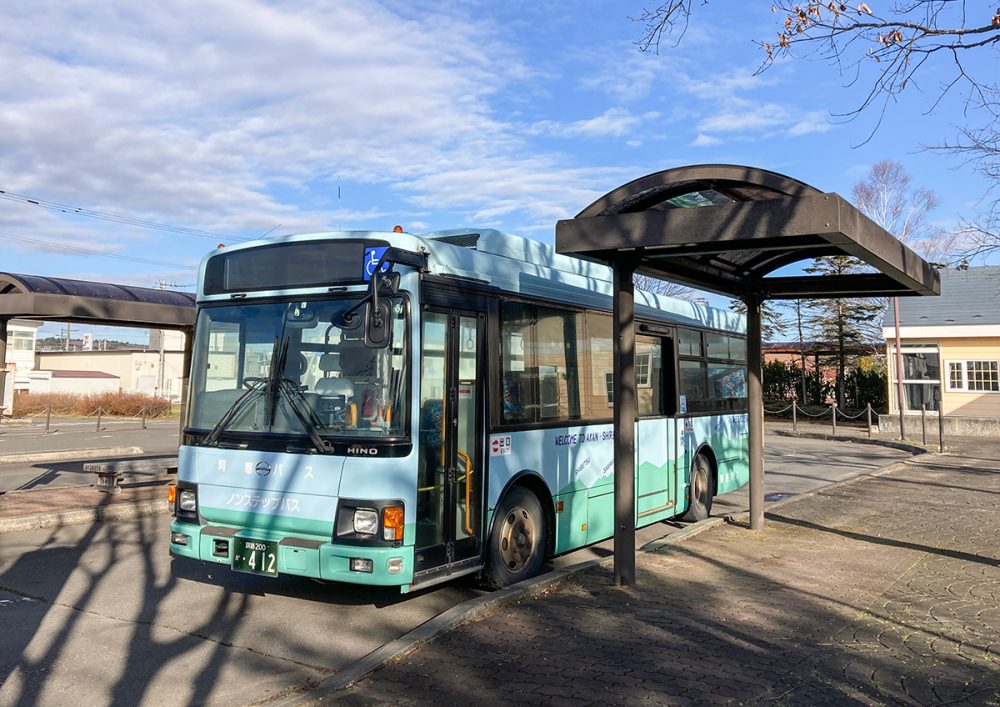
517	543
701	490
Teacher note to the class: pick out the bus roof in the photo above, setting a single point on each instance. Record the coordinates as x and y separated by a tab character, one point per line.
518	265
530	267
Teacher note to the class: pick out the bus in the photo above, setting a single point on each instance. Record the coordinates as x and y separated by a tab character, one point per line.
394	409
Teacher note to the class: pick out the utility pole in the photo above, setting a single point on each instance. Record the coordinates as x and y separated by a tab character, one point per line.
160	285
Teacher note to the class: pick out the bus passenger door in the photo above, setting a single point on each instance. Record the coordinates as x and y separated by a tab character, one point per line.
656	483
450	482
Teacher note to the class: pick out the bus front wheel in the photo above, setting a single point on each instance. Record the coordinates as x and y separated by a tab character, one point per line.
517	543
700	491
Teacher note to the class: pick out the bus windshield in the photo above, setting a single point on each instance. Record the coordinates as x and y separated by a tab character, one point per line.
295	368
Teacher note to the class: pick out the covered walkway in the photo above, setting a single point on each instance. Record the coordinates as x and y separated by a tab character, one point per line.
63	300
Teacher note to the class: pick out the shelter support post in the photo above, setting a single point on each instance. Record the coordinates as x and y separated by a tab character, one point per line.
624	425
3	363
755	401
900	397
186	373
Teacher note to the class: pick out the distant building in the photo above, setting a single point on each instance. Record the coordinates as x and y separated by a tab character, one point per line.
21	336
149	370
951	352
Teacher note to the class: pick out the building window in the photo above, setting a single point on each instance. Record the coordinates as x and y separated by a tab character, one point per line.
20	341
974	376
921	376
648	377
642	365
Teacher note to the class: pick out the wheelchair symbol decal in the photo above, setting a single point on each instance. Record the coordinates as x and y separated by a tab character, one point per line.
372	256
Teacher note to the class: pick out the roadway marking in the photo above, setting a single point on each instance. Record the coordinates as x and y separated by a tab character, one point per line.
10	603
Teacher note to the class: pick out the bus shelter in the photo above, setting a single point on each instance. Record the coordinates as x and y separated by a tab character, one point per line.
727	229
79	301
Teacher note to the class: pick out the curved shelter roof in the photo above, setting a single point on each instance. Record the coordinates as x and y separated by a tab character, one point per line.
727	228
37	297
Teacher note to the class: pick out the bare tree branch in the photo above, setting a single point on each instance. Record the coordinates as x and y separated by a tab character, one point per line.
886	46
659	286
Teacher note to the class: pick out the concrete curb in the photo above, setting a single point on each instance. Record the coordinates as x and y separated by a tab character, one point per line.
538	586
67	454
50	519
431	629
469	611
911	448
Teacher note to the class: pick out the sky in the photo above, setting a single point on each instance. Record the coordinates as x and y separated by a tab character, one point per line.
135	137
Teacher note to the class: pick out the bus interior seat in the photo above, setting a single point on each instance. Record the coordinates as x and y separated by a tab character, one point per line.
329	385
357	362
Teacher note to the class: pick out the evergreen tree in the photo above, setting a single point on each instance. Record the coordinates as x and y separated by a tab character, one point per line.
772	322
843	322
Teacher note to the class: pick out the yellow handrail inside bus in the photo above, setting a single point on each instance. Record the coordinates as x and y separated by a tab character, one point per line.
468	491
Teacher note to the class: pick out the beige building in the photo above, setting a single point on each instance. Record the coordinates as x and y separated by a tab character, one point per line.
149	371
950	347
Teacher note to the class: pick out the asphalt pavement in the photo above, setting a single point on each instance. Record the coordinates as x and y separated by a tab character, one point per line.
31	458
98	613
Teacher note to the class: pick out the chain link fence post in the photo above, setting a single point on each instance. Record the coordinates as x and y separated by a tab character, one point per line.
868	411
923	423
833	418
795	421
99	412
143	417
48	417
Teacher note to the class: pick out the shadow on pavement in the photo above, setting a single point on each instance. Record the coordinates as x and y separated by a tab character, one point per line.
878	594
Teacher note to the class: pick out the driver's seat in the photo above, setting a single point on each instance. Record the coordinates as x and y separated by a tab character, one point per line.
329	385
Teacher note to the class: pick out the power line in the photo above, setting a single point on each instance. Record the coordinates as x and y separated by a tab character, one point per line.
88	251
114	218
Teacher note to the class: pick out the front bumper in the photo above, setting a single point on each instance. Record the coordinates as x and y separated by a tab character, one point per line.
296	556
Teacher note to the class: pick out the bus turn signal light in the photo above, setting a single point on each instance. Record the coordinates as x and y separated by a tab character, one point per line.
392	523
171	496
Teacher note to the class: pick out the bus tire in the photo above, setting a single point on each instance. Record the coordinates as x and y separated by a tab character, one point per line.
700	491
517	543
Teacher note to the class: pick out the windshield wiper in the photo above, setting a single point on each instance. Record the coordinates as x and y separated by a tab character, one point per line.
305	414
212	438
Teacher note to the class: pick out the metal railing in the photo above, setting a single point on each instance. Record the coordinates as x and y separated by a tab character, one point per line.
100	414
834	412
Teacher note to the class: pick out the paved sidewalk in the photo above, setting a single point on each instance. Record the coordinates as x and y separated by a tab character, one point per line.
46	508
881	591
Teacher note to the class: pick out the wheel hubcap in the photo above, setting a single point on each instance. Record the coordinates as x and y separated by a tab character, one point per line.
517	539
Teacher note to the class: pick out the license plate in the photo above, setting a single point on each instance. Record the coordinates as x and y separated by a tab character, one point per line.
255	556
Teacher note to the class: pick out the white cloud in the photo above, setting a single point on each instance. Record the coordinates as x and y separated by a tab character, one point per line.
704	140
236	116
813	122
614	122
626	74
745	117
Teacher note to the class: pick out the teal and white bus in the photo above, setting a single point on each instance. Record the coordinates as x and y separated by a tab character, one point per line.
393	409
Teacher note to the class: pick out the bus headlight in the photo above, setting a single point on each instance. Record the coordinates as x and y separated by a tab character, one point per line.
187	500
365	521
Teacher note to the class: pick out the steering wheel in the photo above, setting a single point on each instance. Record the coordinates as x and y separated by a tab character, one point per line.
251	381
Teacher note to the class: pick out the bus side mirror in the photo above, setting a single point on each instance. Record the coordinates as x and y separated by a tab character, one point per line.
378	324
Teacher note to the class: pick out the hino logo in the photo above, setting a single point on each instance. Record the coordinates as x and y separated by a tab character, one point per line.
263	468
363	451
